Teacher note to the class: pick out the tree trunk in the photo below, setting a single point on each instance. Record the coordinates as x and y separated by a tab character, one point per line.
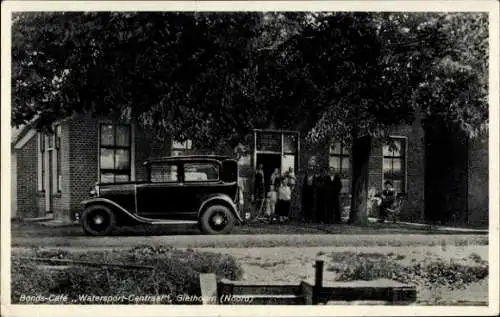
360	158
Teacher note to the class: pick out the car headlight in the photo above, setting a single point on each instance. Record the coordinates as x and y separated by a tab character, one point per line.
95	190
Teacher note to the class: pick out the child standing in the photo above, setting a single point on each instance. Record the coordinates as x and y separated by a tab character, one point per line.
272	197
388	197
284	199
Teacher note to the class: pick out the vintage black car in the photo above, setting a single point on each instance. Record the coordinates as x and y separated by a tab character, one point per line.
197	190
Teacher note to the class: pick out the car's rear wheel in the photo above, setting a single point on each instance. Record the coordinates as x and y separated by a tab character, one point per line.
98	220
217	219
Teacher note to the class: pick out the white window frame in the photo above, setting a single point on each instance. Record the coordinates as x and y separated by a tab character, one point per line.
40	162
132	147
405	138
281	152
342	155
182	147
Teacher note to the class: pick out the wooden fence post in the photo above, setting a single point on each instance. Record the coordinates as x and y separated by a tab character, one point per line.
318	281
208	285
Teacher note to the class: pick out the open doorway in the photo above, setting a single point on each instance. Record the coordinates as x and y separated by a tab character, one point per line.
269	163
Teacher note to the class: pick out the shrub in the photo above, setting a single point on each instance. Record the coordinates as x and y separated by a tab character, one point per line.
175	272
430	273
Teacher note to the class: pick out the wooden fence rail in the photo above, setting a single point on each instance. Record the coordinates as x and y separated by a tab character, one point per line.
380	292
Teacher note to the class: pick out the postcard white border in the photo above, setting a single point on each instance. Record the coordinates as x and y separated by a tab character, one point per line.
415	6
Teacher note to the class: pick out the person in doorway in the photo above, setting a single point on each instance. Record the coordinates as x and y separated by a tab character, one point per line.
272	197
284	198
388	198
290	175
259	189
275	179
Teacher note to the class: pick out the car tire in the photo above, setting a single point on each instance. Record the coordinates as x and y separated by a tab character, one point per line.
210	220
98	220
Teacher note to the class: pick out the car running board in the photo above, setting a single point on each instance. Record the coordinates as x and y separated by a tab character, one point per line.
172	222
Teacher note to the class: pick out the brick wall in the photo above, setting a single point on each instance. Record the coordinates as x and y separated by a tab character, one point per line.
27	201
145	148
13	185
478	187
82	164
415	174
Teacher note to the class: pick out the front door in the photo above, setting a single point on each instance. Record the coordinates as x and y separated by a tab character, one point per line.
269	162
162	196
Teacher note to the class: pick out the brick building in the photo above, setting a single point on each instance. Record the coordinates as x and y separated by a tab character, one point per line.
53	173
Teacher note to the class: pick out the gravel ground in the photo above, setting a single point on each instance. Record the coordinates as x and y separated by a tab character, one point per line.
293	264
254	241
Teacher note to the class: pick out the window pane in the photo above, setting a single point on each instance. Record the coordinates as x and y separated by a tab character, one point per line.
122	159
334	162
269	141
287	162
398	186
58	136
107	134
336	148
387	165
200	172
397	167
120	178
107	159
186	145
386	151
50	140
290	143
123	135
163	173
346	166
393	149
107	178
396	147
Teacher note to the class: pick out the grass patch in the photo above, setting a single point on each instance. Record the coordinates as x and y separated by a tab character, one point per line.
175	273
430	273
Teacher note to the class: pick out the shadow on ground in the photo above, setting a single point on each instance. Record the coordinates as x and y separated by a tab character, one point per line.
29	229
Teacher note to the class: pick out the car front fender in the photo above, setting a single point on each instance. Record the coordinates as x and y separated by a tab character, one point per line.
224	199
121	212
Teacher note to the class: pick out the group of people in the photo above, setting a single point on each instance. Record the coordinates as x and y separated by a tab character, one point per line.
321	190
275	205
321	196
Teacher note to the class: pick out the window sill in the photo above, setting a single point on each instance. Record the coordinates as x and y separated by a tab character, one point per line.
40	193
57	195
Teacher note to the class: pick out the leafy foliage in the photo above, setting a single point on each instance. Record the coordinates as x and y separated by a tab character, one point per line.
212	77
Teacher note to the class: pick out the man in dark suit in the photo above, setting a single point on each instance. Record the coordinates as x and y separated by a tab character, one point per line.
335	186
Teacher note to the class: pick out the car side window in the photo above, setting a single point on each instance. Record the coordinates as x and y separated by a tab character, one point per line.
201	172
164	173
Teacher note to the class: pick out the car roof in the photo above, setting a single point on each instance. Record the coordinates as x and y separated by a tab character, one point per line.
189	158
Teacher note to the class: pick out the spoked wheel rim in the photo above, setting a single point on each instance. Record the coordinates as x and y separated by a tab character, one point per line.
218	220
98	220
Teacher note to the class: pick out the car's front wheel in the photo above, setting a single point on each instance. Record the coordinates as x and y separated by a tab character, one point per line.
217	219
98	220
